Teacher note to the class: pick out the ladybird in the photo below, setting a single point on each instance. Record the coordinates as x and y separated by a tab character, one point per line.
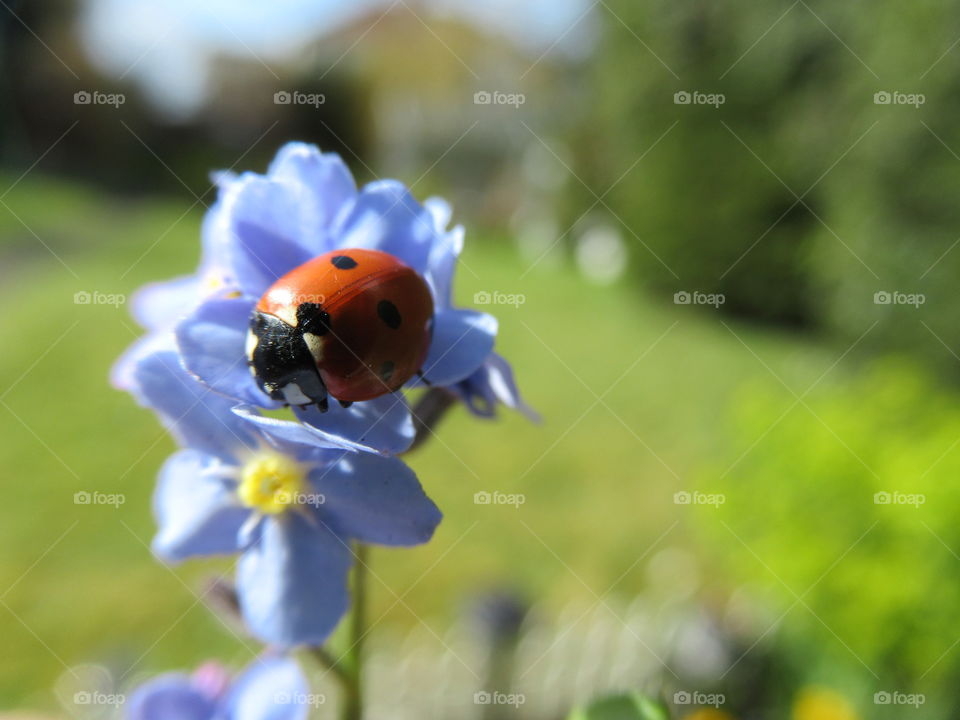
352	324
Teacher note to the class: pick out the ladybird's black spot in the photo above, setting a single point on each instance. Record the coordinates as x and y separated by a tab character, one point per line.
389	314
386	371
343	262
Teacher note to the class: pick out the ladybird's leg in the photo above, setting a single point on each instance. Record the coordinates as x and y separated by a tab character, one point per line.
323	405
423	378
345	403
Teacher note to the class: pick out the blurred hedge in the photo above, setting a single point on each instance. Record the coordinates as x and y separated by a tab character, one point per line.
716	198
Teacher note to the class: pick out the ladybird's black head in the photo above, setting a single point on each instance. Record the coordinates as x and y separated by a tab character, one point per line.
281	361
312	319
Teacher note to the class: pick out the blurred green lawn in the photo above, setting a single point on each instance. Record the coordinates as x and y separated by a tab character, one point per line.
633	393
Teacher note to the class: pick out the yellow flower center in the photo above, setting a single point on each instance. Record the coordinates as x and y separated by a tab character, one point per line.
271	483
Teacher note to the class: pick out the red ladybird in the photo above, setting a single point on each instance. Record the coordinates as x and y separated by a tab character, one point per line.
354	324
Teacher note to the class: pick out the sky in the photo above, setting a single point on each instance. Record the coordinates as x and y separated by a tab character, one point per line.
166	45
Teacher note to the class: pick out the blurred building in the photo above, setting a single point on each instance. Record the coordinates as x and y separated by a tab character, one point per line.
440	102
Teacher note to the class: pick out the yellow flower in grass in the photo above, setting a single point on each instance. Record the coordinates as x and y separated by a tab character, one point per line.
818	703
708	714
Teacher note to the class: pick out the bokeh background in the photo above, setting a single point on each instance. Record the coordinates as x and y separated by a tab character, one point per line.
721	242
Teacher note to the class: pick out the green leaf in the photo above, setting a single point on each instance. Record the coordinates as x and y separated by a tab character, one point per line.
631	706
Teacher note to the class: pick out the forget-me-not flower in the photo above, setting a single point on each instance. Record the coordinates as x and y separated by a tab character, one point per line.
271	688
263	226
288	498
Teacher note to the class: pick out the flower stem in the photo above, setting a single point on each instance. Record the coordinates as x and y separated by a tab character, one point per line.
353	686
428	411
328	661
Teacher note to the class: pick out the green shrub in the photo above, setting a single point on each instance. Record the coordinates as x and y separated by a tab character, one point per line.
879	582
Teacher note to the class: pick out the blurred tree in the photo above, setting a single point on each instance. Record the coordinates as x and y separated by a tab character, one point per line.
714	200
822	179
892	224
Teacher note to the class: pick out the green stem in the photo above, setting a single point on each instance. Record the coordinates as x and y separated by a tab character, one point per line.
328	661
353	687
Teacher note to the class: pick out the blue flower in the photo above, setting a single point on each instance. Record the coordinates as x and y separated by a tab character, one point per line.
289	498
272	688
263	226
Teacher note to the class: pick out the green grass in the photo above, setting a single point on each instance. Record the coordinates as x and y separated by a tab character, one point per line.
78	583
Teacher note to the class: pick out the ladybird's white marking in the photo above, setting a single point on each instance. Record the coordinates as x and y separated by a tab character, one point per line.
252	341
287	313
314	345
281	296
294	395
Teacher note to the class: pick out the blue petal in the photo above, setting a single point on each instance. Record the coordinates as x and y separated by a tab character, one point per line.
212	340
325	177
493	383
122	373
158	305
292	585
197	512
386	217
384	423
270	689
169	697
197	416
294	438
440	211
271	229
462	340
377	500
216	235
440	266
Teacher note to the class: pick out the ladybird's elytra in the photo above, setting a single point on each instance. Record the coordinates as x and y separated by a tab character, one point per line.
352	323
